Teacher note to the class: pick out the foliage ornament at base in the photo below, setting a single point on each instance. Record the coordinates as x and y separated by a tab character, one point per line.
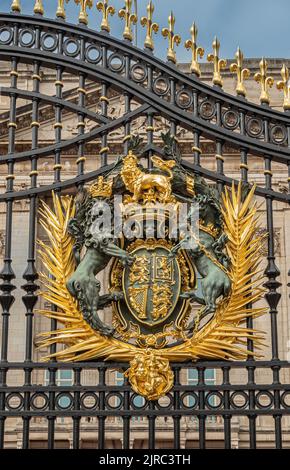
173	296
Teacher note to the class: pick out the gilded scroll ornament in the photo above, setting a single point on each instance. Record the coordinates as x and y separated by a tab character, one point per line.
38	7
60	12
150	375
196	50
106	10
129	18
218	64
173	39
84	4
265	81
151	26
284	86
16	6
242	74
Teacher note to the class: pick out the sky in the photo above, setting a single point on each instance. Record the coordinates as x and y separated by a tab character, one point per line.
259	27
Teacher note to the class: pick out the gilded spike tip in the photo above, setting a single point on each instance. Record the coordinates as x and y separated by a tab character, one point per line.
218	63
60	12
284	85
38	8
106	10
242	74
16	6
129	18
195	49
172	38
151	26
84	4
266	82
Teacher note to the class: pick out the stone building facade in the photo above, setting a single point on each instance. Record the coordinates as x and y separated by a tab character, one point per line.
164	427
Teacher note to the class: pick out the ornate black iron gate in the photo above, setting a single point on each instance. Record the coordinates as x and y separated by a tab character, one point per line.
152	92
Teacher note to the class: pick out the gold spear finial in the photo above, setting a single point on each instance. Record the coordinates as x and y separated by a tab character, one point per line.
266	82
130	18
242	74
284	85
195	49
151	26
172	38
83	16
218	64
16	6
38	7
60	12
106	10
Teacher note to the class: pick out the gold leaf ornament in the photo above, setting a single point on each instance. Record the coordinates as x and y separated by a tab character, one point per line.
223	337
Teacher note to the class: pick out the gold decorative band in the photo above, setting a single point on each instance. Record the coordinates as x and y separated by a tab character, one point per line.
10	177
12	124
104	98
58	125
81	124
190	185
82	90
34	173
104	150
127	137
36	77
288	179
219	157
81	159
58	82
13	72
243	165
35	123
268	172
58	166
196	149
150	129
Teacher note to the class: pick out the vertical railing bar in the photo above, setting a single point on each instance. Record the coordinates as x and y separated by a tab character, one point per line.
30	274
76	419
250	345
126	419
7	273
101	419
176	404
104	108
201	406
81	124
151	426
273	297
228	417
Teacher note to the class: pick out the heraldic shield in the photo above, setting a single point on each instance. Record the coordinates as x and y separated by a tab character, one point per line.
151	285
168	291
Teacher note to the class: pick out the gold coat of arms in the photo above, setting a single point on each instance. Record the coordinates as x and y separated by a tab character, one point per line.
182	264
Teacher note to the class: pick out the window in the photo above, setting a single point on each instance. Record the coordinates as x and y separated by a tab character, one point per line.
209	379
63	378
137	401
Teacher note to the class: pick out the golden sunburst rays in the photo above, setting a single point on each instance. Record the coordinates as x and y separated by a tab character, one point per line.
224	337
80	340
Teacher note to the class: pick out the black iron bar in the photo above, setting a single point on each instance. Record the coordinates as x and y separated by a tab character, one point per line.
76	419
227	406
176	404
102	407
201	408
126	419
30	275
7	273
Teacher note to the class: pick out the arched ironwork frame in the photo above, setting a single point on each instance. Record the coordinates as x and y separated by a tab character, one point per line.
150	89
